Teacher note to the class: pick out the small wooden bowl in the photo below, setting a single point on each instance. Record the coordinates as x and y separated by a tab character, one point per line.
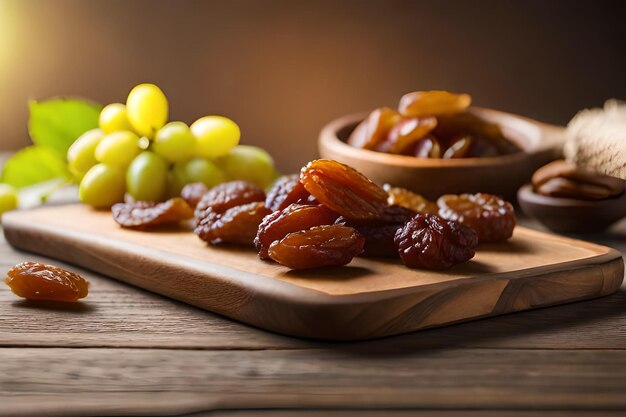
567	215
503	175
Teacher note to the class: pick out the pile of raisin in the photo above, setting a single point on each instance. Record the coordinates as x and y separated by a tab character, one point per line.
331	213
37	281
431	124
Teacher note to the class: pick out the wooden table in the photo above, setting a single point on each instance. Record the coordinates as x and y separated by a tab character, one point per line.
125	351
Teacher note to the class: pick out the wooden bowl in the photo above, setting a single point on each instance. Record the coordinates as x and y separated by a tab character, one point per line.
567	215
503	175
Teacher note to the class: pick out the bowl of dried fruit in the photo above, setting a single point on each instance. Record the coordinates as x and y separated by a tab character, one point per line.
435	143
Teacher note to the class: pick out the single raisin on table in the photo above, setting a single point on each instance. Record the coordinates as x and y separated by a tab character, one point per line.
491	217
430	242
409	199
237	225
193	193
343	189
287	190
293	218
374	129
329	245
143	214
37	281
230	194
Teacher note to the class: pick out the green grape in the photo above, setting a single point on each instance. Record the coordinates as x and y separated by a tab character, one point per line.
199	170
146	108
81	155
174	182
174	142
113	118
248	163
102	186
118	148
216	136
8	198
145	177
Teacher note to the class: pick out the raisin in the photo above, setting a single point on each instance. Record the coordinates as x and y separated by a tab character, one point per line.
459	148
287	190
406	133
143	214
230	194
423	103
489	135
426	147
291	219
430	242
37	281
379	239
343	189
237	225
491	217
328	245
193	193
409	199
374	129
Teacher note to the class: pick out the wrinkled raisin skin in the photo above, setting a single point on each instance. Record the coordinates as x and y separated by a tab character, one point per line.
37	281
430	242
287	190
492	218
236	225
193	193
230	194
293	218
144	214
320	246
343	189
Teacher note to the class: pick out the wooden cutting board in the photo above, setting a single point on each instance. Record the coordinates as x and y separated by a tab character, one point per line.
367	299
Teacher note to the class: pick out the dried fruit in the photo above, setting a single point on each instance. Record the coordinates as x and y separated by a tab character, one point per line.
427	147
193	193
406	133
229	194
489	137
37	281
237	225
430	242
423	103
405	198
329	245
379	239
143	214
491	217
459	148
343	189
374	129
294	218
287	190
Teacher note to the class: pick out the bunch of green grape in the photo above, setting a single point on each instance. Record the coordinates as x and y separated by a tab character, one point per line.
135	152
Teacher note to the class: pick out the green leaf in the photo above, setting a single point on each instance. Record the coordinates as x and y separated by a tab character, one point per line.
57	123
34	164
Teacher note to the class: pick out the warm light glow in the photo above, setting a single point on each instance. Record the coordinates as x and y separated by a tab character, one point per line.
7	32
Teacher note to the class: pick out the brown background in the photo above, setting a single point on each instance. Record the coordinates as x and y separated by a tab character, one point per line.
282	69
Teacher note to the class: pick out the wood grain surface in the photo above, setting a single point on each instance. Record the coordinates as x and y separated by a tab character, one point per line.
360	301
123	351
